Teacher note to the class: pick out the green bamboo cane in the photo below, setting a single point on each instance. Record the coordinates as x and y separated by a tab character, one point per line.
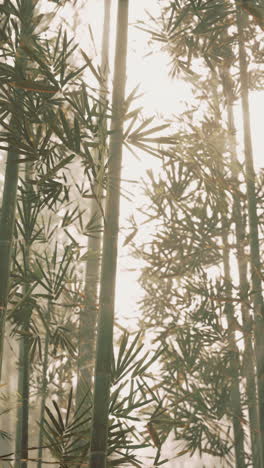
99	428
22	431
7	221
6	236
235	396
44	388
88	313
23	410
43	401
243	280
253	225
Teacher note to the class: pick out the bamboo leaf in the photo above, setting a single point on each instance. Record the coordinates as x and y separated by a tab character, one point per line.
90	65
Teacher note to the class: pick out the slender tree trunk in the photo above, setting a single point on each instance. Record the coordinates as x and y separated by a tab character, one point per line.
23	391
7	221
43	391
43	402
249	360
256	282
235	396
88	314
6	236
104	349
23	410
24	351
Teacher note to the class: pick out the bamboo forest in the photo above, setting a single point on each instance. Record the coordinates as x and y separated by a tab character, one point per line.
131	233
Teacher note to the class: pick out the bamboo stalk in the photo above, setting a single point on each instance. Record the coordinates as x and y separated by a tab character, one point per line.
243	284
255	264
22	431
235	395
23	410
44	390
99	429
6	238
88	314
7	221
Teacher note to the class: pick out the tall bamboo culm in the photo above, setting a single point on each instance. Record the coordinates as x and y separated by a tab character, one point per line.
240	230
7	220
104	346
6	236
88	314
235	395
22	428
44	388
256	282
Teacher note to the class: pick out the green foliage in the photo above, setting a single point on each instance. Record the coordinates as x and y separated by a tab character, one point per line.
63	433
56	124
194	30
129	394
185	302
